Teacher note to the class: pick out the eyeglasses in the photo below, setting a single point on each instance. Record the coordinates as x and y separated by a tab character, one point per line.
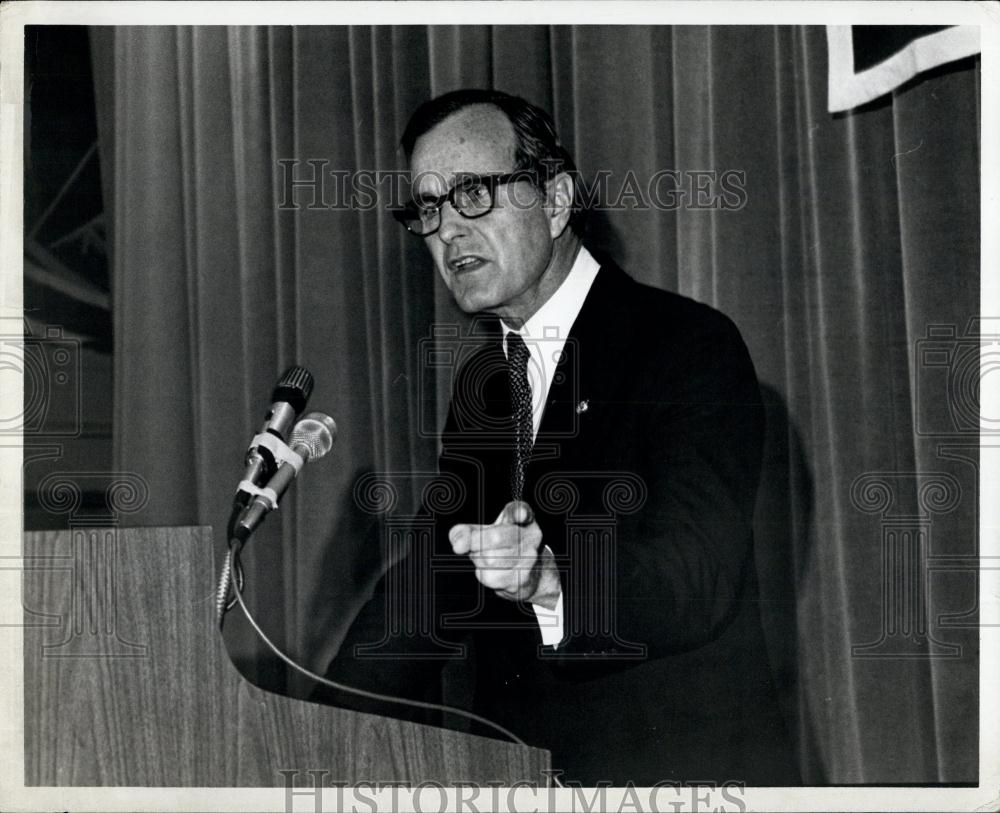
473	196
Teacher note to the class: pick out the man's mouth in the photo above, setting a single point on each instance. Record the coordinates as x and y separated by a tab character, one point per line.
467	262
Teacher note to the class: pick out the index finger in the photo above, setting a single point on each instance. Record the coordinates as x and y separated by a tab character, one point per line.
467	538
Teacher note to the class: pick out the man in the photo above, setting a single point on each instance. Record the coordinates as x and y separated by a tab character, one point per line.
602	452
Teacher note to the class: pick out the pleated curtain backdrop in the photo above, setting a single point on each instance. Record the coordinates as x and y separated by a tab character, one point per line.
859	233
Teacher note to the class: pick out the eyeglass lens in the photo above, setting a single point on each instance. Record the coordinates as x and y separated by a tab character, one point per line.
471	199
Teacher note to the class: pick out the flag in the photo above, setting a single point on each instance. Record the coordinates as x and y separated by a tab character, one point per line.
868	61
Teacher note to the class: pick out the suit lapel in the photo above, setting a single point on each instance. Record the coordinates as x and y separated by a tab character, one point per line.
582	400
590	377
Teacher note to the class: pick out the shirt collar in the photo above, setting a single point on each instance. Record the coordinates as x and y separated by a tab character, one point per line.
558	313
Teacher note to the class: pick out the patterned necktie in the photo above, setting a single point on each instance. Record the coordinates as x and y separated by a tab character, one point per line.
520	396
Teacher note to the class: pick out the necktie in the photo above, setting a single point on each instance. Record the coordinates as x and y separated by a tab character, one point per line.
520	396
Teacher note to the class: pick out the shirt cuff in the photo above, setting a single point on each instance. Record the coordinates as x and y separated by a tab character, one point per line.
550	622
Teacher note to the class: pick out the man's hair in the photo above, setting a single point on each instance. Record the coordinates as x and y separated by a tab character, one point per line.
537	147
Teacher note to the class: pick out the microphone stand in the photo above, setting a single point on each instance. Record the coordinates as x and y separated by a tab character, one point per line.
237	536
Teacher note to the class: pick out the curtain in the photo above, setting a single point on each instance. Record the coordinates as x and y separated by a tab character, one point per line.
849	262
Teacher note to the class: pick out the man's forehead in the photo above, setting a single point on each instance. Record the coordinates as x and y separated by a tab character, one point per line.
477	140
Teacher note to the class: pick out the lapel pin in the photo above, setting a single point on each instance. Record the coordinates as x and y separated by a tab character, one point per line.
582	407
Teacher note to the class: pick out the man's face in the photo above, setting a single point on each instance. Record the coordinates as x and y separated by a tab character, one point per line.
499	262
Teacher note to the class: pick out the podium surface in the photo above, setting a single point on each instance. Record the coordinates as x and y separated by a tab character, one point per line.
127	683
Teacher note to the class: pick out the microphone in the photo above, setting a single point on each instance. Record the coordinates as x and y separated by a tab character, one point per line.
311	439
287	402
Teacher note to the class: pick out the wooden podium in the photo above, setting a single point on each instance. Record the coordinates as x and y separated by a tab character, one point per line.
127	683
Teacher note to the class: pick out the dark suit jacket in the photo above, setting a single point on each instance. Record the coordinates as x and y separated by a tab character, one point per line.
643	479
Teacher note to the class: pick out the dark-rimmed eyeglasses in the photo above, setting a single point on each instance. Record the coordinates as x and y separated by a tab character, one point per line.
472	196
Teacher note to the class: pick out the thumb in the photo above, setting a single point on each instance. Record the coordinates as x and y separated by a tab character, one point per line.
516	512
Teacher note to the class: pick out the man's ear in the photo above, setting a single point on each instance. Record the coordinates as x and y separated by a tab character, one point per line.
559	202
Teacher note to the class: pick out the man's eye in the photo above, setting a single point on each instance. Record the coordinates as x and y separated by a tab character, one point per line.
476	195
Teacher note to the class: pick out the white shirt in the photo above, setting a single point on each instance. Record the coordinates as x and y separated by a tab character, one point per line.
545	335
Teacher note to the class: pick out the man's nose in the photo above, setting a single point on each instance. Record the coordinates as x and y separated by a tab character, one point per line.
452	223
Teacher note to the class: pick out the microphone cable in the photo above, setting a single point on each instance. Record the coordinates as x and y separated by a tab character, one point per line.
223	602
232	565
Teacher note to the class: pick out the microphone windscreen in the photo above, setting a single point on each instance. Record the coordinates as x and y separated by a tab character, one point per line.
294	387
313	435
